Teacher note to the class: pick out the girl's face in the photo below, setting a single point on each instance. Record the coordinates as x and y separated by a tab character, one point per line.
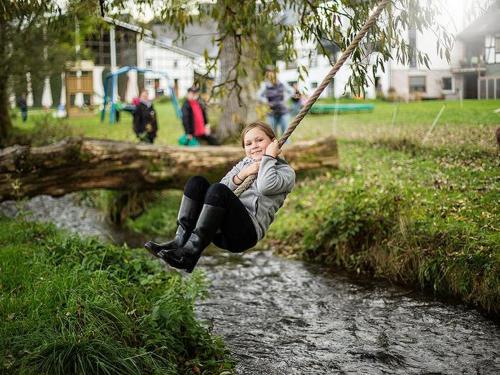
256	142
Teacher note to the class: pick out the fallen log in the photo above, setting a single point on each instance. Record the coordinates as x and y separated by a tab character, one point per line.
81	163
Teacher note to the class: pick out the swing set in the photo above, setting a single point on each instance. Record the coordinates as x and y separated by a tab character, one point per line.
111	83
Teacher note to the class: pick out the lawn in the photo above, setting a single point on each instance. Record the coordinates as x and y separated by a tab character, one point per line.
90	125
396	120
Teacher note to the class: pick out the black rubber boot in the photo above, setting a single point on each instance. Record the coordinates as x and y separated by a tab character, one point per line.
189	211
187	256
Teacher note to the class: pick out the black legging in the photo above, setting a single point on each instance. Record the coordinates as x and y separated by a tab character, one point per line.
237	231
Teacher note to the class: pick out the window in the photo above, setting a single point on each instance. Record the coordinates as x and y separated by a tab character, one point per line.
492	49
497	49
446	83
417	84
149	63
412	42
176	64
87	99
314	84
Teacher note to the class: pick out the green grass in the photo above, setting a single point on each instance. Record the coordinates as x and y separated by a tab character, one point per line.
76	306
161	215
90	125
412	122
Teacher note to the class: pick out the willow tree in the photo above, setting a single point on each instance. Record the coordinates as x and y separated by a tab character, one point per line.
36	37
243	49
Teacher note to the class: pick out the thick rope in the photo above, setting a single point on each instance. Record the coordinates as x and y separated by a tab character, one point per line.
312	99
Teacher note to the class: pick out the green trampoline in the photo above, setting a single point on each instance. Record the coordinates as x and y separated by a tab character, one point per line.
341	108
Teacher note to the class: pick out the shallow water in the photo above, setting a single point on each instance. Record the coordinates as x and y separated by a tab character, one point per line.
285	317
279	316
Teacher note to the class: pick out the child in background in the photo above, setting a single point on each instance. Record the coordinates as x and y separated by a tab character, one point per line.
145	121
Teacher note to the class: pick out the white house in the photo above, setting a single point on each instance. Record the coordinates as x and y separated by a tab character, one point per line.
162	56
415	79
409	81
476	59
159	55
406	80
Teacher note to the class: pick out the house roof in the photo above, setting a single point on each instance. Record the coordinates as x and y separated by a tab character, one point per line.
486	24
171	47
128	26
198	37
148	38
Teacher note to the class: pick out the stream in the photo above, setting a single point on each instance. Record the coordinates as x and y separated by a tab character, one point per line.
280	316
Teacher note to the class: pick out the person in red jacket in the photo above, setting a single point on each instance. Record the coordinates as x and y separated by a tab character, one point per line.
195	120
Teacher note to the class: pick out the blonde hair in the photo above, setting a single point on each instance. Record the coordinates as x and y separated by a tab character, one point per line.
259	125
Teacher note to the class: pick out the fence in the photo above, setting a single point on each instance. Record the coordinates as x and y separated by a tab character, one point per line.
488	88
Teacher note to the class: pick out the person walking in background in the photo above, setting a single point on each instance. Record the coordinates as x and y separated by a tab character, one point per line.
297	99
195	120
118	108
275	94
23	107
145	121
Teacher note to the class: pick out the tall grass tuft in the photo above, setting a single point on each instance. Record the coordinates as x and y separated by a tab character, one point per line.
76	306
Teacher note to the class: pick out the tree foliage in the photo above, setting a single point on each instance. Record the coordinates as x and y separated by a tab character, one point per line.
37	37
328	23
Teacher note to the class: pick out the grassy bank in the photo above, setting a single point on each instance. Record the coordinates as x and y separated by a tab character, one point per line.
73	306
421	213
425	217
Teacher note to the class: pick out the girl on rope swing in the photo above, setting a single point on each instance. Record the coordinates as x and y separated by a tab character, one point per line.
213	213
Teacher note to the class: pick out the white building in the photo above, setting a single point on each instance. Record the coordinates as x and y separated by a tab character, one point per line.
408	81
318	67
416	80
161	56
476	58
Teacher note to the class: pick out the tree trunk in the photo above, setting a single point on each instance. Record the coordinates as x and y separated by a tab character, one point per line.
80	164
236	111
232	113
5	122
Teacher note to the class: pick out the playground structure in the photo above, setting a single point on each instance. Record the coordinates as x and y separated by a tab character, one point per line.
79	87
110	89
342	108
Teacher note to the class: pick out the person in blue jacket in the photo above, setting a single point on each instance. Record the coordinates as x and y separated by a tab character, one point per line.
213	213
